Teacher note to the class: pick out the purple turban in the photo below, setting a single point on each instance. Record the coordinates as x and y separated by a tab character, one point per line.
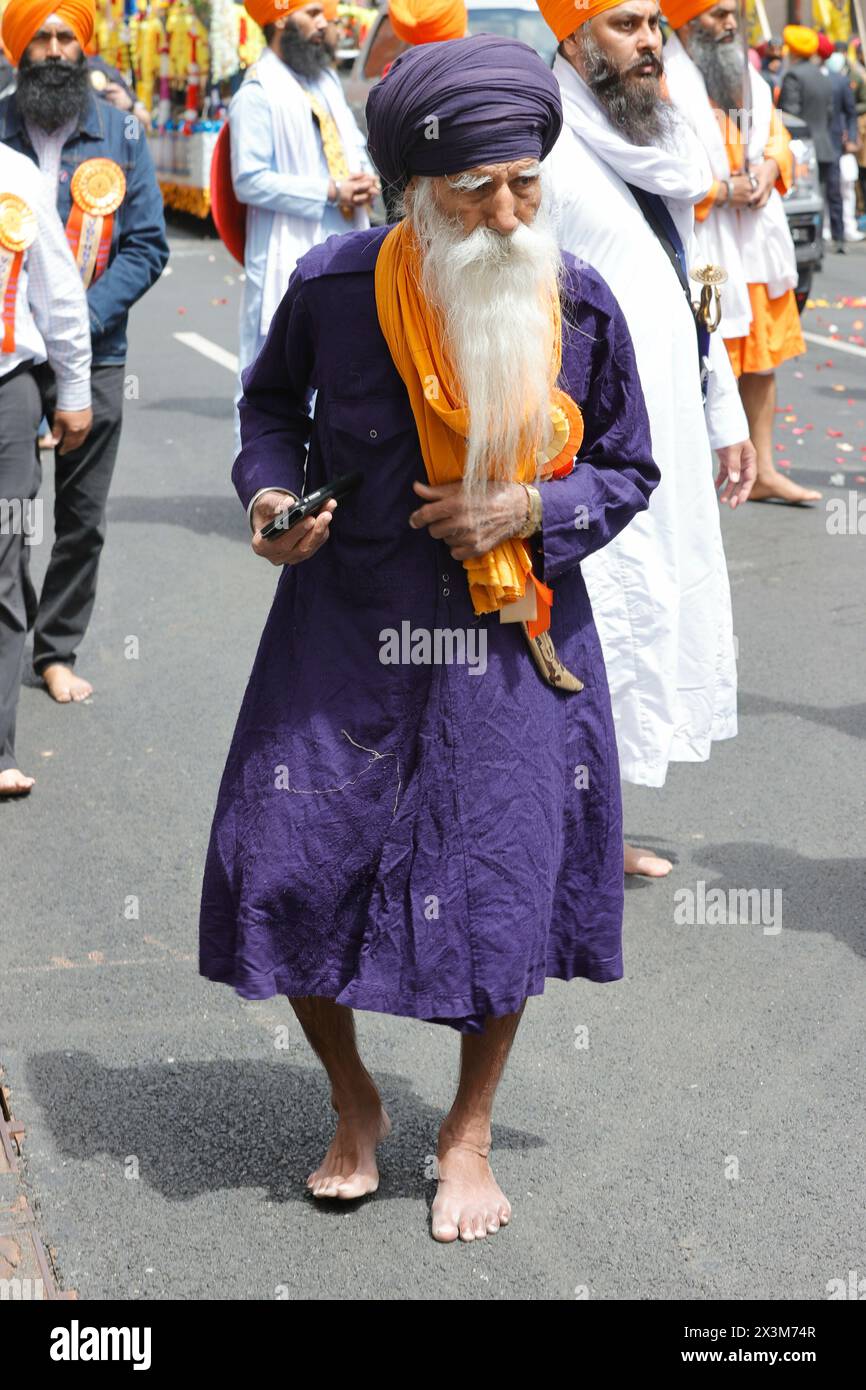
446	107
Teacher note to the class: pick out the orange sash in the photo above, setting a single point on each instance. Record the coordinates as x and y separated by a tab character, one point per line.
17	232
500	576
98	188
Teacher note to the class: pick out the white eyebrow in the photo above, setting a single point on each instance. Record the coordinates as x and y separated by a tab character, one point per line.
467	181
470	182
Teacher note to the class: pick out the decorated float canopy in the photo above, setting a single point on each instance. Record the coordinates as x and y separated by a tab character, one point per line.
181	62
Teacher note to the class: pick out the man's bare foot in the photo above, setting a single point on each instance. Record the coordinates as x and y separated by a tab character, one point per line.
63	685
783	489
643	861
469	1202
349	1168
14	783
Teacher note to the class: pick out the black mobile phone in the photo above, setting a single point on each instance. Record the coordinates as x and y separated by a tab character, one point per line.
312	504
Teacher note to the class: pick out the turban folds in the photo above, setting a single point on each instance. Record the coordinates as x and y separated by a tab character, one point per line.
680	12
800	40
427	21
564	16
24	18
269	11
446	107
825	45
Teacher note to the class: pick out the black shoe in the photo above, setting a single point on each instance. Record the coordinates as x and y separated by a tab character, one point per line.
839	249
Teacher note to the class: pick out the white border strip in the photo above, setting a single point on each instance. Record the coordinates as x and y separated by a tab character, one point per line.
214	351
810	338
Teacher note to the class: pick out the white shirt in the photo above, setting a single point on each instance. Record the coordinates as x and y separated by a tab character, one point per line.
48	145
51	318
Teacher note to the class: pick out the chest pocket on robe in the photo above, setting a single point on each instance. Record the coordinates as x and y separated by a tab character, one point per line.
377	436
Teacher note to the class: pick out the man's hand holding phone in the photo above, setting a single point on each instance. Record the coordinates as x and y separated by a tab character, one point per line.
298	543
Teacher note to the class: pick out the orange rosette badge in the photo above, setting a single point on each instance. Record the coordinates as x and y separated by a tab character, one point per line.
98	188
557	460
18	227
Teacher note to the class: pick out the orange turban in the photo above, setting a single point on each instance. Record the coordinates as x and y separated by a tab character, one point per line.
680	12
683	11
24	18
800	40
427	21
269	11
564	16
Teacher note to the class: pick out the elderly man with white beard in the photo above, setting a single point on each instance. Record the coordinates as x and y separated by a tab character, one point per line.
626	174
401	827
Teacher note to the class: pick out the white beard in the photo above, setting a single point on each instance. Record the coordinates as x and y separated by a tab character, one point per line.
492	294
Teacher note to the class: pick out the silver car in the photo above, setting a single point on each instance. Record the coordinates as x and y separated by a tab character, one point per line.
515	19
804	206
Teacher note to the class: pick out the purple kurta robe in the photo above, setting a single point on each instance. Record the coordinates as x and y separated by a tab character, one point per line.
434	839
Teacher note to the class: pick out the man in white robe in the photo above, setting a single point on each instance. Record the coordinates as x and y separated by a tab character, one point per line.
660	593
741	224
299	187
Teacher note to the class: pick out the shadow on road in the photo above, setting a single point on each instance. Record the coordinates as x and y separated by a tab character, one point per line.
210	407
818	895
193	1127
845	719
206	516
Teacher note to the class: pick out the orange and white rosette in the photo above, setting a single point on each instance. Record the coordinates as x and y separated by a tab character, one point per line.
98	188
556	461
18	228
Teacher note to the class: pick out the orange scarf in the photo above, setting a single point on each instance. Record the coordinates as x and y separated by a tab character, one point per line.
411	332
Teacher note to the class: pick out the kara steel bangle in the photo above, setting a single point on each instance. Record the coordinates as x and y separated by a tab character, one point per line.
532	523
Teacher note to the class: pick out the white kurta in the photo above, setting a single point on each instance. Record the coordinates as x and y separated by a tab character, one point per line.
660	593
754	247
279	170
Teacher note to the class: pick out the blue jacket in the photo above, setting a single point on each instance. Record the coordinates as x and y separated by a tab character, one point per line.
844	122
139	249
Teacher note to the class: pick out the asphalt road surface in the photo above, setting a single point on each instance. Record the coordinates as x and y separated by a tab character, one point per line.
706	1142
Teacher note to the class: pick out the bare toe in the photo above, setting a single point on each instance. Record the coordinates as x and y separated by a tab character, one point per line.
63	685
467	1196
349	1168
13	782
444	1229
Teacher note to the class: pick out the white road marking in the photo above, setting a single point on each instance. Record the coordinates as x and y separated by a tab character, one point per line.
209	349
230	362
209	248
833	343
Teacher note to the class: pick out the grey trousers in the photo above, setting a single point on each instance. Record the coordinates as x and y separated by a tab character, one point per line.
82	479
20	476
831	184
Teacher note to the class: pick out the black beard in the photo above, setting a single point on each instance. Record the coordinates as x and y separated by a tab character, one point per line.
721	65
303	56
634	105
52	92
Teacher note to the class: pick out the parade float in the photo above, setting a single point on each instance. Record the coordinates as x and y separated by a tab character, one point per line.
183	60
